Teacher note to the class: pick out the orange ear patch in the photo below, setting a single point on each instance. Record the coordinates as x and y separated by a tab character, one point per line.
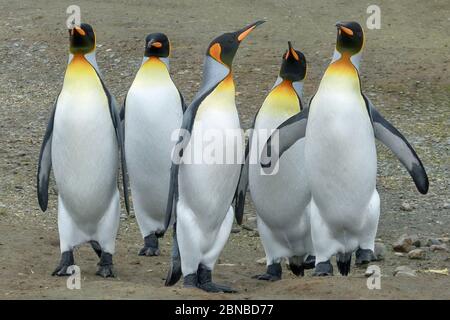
80	31
346	30
244	34
215	51
157	44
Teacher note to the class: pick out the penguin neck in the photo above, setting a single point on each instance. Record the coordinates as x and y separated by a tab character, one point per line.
89	57
154	71
296	85
214	73
163	60
354	59
342	73
283	100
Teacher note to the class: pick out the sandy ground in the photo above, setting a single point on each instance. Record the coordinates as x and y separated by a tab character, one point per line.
405	71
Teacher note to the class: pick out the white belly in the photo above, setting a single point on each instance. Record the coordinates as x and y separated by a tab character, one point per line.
340	156
207	186
280	199
84	153
153	114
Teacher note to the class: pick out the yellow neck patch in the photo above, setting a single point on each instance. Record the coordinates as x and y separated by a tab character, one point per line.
152	72
342	73
282	101
221	99
80	75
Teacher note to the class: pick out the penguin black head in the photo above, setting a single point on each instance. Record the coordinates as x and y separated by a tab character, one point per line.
157	45
293	67
224	47
82	39
350	37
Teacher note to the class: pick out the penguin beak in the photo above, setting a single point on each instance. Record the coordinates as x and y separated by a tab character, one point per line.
155	44
243	33
342	28
291	51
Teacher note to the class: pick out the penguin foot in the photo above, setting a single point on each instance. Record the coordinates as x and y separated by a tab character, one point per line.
343	261
323	269
296	265
190	281
204	282
174	273
151	246
309	262
273	273
66	261
364	256
105	266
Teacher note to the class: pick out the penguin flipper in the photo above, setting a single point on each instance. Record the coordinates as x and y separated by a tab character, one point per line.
183	103
287	134
45	162
397	143
119	128
174	274
241	190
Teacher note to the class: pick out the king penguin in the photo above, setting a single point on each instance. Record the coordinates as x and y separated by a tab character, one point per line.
82	144
340	158
282	198
202	192
152	111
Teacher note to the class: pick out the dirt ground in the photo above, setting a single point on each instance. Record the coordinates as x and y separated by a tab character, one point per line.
405	71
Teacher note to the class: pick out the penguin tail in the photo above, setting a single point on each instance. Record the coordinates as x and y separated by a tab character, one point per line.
174	273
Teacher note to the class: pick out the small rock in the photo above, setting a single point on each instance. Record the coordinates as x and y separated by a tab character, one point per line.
380	251
444	239
399	254
446	205
404	271
438	247
406	242
406	206
432	241
417	254
261	261
235	230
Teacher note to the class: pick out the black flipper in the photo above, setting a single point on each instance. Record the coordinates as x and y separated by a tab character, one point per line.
115	117
183	103
288	133
174	273
397	143
122	112
45	162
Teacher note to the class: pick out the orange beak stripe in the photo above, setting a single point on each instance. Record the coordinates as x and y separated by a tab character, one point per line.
346	30
157	44
294	54
286	56
244	34
80	31
215	51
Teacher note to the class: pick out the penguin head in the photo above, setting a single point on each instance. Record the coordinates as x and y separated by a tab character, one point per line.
293	67
82	39
350	37
224	47
157	45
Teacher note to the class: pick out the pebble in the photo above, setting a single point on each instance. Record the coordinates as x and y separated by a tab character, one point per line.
404	271
380	251
432	241
438	247
406	206
417	254
261	261
405	243
446	205
235	230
